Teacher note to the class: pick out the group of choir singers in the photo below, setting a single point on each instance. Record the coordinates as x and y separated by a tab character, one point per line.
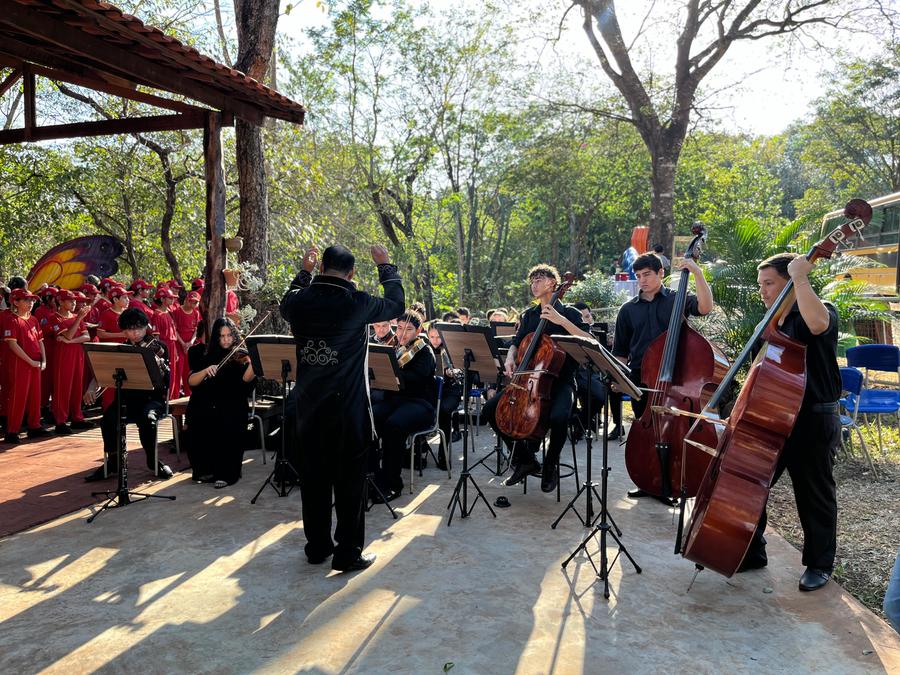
338	420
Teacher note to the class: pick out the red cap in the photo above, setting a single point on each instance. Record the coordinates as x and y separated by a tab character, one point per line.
107	283
79	296
65	294
90	289
140	285
174	283
22	294
164	292
48	290
193	295
198	284
118	292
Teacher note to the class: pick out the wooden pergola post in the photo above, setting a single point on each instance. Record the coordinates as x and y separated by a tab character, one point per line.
214	292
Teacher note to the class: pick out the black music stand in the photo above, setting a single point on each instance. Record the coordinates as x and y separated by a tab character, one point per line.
274	357
597	359
474	347
384	374
503	329
123	366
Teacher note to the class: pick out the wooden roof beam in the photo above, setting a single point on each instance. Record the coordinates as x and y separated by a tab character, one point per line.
189	120
10	80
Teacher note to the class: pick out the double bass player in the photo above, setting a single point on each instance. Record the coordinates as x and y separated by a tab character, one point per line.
809	452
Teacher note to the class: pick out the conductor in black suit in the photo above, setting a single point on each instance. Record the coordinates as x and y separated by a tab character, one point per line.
330	321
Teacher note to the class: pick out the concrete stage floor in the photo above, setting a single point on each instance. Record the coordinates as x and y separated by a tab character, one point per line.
211	584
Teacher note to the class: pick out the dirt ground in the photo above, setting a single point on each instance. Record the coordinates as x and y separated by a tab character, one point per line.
868	526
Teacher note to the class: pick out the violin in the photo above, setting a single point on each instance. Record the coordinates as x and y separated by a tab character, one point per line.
406	354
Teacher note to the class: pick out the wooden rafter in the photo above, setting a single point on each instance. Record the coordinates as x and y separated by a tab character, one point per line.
10	80
195	119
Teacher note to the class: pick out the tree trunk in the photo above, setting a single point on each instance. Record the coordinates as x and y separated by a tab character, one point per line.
256	22
214	292
662	201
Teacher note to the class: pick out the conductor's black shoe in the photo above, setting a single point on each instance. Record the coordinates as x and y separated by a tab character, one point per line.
38	432
12	439
752	562
362	562
98	474
522	470
813	579
317	559
62	430
637	493
456	436
549	479
614	433
82	424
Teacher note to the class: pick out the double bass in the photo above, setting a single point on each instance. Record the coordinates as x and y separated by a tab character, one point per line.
523	410
680	369
735	490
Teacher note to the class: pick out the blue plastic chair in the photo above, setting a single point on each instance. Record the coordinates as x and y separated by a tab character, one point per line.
878	402
435	428
852	386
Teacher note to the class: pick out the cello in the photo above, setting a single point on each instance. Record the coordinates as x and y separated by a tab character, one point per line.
736	487
679	368
523	410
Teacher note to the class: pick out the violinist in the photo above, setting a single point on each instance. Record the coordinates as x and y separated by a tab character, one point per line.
411	409
808	454
218	410
452	393
141	407
563	320
646	316
383	334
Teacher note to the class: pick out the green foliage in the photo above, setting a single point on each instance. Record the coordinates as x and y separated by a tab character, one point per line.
598	290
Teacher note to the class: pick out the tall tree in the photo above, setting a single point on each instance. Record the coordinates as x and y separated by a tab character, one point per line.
256	23
706	30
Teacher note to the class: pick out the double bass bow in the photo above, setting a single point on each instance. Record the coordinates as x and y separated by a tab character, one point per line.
735	490
679	368
523	410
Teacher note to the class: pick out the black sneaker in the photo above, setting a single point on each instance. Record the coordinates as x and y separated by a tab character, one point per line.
82	424
12	439
38	432
62	430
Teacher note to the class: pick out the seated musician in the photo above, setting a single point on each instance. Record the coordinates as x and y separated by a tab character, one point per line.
141	407
383	334
809	452
452	393
562	320
401	413
218	410
646	316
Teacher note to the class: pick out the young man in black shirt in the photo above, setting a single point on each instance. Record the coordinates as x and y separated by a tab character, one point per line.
562	320
646	316
808	454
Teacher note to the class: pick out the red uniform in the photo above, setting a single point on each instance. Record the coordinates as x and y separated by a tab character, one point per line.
44	314
109	321
68	372
164	324
24	380
102	305
143	306
186	326
5	316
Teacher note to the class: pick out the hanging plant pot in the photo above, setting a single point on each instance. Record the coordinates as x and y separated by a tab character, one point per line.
232	277
234	244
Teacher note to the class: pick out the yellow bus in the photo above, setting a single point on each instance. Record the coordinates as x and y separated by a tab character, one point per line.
880	242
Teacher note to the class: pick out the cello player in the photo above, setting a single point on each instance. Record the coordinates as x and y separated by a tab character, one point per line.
808	454
563	320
